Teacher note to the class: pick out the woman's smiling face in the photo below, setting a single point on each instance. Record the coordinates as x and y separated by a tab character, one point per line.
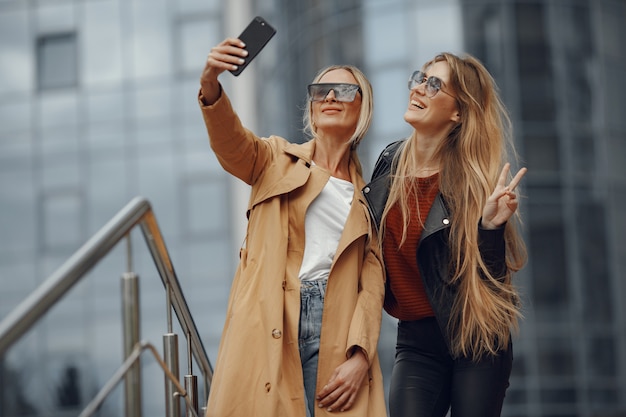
336	118
436	115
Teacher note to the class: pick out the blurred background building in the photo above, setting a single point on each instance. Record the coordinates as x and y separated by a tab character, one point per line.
98	105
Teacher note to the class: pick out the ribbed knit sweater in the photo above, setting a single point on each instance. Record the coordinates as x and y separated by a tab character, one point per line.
405	297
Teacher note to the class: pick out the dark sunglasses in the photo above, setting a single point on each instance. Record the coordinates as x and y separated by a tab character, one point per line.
343	92
432	84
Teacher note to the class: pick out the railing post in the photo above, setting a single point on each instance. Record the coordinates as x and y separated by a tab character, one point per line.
170	352
191	381
130	317
170	356
191	386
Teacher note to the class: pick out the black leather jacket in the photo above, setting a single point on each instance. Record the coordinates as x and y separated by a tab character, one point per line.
433	253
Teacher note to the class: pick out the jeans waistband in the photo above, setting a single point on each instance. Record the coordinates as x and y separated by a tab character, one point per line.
314	287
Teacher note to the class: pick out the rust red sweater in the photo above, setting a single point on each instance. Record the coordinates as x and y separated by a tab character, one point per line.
405	297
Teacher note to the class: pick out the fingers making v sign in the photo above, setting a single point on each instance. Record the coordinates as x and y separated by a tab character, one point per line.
503	202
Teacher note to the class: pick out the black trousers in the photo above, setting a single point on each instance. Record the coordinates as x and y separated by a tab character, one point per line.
427	382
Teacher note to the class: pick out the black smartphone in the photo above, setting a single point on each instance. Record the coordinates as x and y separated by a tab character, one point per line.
255	36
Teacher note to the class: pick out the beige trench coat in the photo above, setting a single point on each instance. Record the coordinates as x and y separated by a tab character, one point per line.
258	370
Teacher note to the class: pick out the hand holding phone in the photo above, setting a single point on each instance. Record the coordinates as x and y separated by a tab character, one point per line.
256	35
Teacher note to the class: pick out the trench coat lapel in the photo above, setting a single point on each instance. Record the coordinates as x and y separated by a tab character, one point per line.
282	181
357	223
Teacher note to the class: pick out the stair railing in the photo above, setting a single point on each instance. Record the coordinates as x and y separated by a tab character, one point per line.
137	212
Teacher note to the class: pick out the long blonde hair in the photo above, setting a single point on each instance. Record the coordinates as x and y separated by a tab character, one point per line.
486	308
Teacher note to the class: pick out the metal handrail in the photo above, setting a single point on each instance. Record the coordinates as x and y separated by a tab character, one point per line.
137	212
93	406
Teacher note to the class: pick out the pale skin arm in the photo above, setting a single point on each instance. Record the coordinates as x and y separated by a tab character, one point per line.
502	203
339	393
225	56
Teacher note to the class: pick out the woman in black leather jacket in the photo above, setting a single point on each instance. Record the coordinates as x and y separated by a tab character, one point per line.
445	209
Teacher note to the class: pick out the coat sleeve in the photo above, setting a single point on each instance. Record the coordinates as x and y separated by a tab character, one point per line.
365	327
238	150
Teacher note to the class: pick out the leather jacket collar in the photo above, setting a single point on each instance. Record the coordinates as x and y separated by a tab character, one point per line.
377	192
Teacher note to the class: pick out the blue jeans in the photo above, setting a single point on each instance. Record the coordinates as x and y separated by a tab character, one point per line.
311	307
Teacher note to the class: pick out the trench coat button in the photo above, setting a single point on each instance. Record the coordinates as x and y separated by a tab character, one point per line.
284	285
445	221
366	190
268	387
276	334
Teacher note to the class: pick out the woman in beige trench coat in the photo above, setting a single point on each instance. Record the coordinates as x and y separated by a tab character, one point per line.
259	370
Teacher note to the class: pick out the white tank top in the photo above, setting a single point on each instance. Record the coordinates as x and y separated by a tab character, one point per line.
323	224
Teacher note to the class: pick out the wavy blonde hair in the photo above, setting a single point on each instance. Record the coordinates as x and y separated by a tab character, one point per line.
486	309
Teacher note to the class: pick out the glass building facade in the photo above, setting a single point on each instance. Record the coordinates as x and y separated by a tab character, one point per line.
98	105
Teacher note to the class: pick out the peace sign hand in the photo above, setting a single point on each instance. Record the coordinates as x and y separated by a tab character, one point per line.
503	202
